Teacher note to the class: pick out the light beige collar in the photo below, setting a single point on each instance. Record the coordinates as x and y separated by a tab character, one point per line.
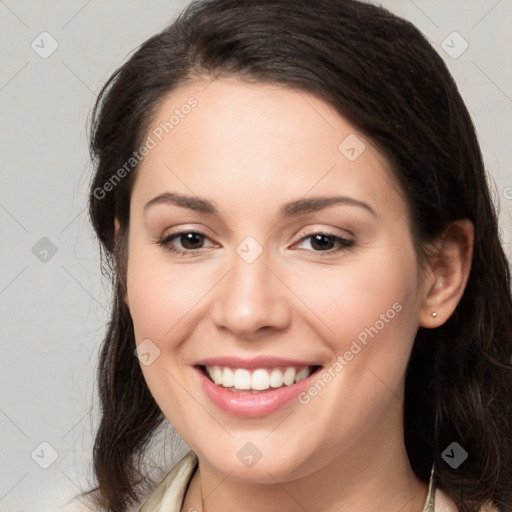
430	502
169	495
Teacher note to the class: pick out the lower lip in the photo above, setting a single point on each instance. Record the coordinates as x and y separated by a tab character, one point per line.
252	405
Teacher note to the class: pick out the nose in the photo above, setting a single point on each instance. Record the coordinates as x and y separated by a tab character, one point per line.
251	299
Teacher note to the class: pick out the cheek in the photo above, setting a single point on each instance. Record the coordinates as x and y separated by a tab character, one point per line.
151	302
375	292
161	295
162	303
367	314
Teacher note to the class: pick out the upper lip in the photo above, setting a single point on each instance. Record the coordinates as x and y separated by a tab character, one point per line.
253	362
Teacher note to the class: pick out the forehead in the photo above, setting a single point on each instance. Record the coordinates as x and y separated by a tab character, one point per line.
243	142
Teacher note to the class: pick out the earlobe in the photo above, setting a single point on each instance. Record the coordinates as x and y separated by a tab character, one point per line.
450	266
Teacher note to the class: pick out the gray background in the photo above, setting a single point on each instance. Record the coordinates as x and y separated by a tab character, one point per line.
54	304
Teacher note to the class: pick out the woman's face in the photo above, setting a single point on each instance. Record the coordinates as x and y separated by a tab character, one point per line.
298	258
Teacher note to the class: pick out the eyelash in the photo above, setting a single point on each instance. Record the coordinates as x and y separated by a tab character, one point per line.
165	242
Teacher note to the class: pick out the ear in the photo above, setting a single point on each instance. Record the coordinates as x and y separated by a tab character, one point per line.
448	273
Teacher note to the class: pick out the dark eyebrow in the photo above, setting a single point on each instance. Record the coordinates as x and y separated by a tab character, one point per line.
291	209
313	204
191	202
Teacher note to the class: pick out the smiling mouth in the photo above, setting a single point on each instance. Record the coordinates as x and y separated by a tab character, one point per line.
260	380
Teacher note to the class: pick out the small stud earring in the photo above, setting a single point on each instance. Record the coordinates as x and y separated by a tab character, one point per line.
434	314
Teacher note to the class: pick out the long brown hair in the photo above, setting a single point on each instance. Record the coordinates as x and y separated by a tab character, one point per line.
382	75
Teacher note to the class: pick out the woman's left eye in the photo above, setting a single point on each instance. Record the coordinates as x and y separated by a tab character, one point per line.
327	242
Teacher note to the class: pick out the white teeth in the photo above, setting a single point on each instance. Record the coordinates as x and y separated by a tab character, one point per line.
289	376
216	375
276	378
242	379
228	378
302	374
260	379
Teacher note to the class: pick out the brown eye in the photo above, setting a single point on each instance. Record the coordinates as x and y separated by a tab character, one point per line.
191	240
326	242
184	242
322	242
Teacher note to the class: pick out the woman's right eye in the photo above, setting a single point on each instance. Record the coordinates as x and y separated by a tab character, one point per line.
188	242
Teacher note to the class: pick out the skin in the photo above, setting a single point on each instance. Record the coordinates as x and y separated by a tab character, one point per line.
250	148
